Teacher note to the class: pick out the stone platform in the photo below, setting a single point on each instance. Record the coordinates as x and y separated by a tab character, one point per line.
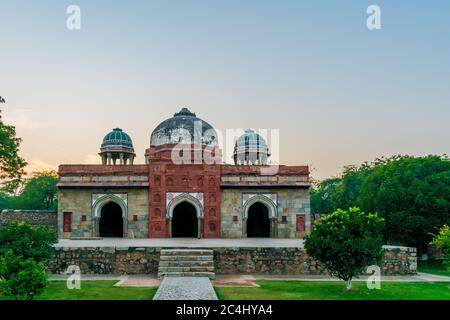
255	256
182	243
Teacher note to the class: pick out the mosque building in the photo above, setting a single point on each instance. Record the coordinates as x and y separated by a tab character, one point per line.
170	197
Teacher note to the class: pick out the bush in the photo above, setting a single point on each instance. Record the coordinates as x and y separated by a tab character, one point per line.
442	241
347	241
21	279
23	250
27	242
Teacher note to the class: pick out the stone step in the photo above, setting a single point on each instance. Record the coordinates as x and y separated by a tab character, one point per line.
186	258
210	275
186	263
185	269
186	252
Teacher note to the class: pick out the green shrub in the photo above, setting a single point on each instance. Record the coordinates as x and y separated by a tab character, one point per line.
21	279
442	241
347	241
27	242
23	250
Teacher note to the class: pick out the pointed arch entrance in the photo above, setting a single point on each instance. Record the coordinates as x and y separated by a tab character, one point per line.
260	216
184	221
109	214
184	212
111	221
258	221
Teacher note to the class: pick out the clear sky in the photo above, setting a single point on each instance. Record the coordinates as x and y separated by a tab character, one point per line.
339	93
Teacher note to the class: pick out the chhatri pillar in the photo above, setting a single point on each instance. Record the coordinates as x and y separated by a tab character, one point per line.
117	148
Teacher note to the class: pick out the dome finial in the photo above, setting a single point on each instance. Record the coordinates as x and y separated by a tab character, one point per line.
184	112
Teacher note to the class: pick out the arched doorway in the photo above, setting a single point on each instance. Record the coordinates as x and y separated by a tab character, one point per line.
258	222
111	222
184	221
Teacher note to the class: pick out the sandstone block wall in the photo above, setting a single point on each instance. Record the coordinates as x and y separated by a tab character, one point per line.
134	260
79	203
291	202
35	218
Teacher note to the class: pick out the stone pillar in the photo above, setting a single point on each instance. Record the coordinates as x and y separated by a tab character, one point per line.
108	156
199	227
125	227
96	227
131	159
121	158
169	226
244	227
104	159
274	228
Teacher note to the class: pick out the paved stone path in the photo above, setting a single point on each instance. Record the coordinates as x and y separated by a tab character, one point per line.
138	281
183	242
185	288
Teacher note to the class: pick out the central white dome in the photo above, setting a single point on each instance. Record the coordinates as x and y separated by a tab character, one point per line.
181	128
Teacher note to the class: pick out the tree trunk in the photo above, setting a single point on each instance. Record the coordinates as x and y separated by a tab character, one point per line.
349	285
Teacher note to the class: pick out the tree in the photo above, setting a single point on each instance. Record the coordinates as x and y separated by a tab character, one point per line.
412	195
442	241
27	242
21	278
323	196
39	192
11	164
345	242
342	192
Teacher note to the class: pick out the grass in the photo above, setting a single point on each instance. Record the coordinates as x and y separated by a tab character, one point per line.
308	290
268	290
433	267
93	290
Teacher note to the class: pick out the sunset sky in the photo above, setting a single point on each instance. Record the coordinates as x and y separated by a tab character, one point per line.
339	93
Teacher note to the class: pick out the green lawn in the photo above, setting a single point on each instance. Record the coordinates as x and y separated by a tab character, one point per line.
307	290
94	290
433	267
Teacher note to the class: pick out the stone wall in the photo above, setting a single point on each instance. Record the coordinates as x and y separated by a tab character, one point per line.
79	203
398	261
35	218
291	202
110	260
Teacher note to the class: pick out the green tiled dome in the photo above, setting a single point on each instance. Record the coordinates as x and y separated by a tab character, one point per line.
250	148
117	138
249	138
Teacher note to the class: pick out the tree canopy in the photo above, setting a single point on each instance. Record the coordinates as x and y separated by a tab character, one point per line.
39	192
412	194
346	242
11	164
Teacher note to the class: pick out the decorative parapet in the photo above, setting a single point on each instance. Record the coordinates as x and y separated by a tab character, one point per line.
252	176
103	176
